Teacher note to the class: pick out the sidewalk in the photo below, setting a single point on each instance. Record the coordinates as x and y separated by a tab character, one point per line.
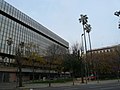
32	86
7	86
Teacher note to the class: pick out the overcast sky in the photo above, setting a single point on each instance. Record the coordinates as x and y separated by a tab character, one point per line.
61	17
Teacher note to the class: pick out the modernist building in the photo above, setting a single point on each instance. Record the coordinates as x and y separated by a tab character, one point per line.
17	27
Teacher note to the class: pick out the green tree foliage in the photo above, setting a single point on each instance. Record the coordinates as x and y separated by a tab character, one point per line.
32	55
72	61
72	64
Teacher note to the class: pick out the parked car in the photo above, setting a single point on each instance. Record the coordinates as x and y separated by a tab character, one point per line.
92	77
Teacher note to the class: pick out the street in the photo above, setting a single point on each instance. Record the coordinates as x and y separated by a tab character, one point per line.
101	86
92	85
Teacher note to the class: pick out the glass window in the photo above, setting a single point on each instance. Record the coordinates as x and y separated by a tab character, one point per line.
5	7
2	6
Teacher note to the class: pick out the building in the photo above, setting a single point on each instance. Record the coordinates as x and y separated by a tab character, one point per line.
106	61
15	28
105	49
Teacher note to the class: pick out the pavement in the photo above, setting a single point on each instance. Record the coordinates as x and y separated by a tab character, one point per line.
8	86
34	86
12	86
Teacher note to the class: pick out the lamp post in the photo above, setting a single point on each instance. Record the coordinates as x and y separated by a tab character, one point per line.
82	47
117	13
82	51
9	42
83	20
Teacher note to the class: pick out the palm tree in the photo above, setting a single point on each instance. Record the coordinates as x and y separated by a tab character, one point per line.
83	20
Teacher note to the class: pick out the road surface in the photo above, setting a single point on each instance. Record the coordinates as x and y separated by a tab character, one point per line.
93	85
100	86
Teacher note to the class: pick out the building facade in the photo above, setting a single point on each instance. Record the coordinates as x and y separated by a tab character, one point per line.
105	49
106	61
17	27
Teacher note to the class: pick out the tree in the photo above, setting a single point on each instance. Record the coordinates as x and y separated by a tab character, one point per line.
54	56
117	49
106	63
27	54
19	59
76	59
33	56
72	62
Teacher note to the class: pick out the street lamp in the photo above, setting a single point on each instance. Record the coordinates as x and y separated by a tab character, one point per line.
117	13
82	47
82	51
9	42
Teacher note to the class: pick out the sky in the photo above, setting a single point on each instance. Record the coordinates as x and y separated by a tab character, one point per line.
62	18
